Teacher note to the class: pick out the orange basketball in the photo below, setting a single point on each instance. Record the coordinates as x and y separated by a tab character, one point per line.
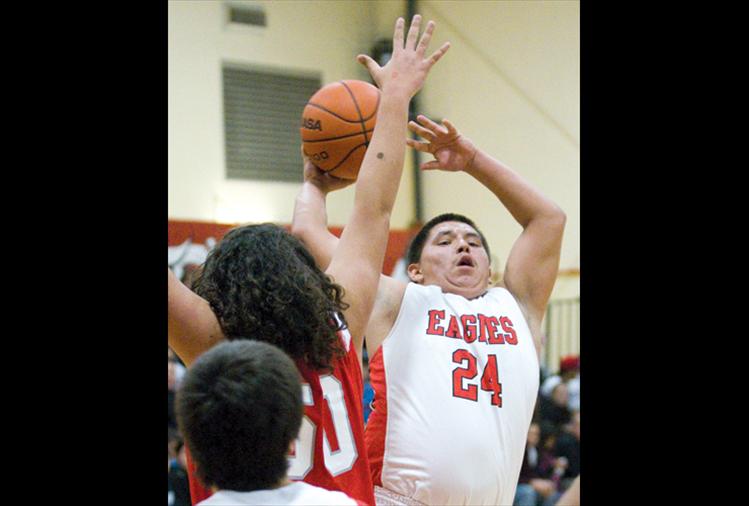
337	125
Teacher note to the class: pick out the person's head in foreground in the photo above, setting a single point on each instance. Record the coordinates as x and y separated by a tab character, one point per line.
239	409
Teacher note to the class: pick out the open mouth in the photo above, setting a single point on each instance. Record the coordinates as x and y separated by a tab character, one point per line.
466	261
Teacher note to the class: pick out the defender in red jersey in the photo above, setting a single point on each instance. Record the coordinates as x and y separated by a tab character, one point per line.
261	283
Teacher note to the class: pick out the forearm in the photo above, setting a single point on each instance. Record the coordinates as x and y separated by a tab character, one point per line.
310	224
357	262
524	202
380	175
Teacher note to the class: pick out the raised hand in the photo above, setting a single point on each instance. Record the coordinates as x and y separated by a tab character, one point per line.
407	68
324	181
451	151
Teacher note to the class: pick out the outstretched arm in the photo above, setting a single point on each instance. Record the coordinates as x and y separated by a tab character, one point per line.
357	261
192	328
532	266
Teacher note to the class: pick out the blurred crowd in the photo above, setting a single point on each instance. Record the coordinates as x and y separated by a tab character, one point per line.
552	453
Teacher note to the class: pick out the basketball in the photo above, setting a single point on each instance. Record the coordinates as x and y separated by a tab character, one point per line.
337	125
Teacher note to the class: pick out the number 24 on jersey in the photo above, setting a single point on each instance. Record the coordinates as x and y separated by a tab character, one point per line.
469	370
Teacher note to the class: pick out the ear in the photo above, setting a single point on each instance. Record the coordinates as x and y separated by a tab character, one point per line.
414	273
292	447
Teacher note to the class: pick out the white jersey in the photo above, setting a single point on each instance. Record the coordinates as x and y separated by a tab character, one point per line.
296	494
455	383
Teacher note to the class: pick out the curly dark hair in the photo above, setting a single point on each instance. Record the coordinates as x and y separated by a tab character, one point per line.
262	283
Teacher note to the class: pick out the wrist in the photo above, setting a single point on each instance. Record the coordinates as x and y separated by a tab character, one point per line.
316	187
471	152
396	92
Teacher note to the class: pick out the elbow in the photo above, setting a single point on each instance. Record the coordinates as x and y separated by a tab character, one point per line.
558	219
560	216
555	218
551	218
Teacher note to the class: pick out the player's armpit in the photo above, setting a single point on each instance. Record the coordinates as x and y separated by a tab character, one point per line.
386	308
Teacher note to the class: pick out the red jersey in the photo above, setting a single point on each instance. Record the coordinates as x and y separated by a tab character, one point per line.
334	458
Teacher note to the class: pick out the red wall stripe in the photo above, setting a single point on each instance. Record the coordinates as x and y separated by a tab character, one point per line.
199	231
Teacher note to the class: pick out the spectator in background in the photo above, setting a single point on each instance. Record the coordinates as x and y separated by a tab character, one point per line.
175	372
538	484
171	392
189	275
568	446
569	374
554	411
173	435
179	486
179	367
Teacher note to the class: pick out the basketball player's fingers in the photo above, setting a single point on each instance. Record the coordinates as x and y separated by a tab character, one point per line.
309	166
417	145
306	162
413	32
420	130
431	125
439	53
450	127
434	164
398	35
425	39
371	65
336	183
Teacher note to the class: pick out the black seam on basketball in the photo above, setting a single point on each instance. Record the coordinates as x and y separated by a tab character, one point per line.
356	104
375	109
336	138
334	114
347	155
377	105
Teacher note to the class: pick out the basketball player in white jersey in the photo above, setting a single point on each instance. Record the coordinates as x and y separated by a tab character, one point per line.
240	410
454	361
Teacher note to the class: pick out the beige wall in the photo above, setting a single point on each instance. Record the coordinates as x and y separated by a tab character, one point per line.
301	36
510	82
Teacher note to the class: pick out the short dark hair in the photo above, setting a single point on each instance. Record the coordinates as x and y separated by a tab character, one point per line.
262	283
239	408
417	243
